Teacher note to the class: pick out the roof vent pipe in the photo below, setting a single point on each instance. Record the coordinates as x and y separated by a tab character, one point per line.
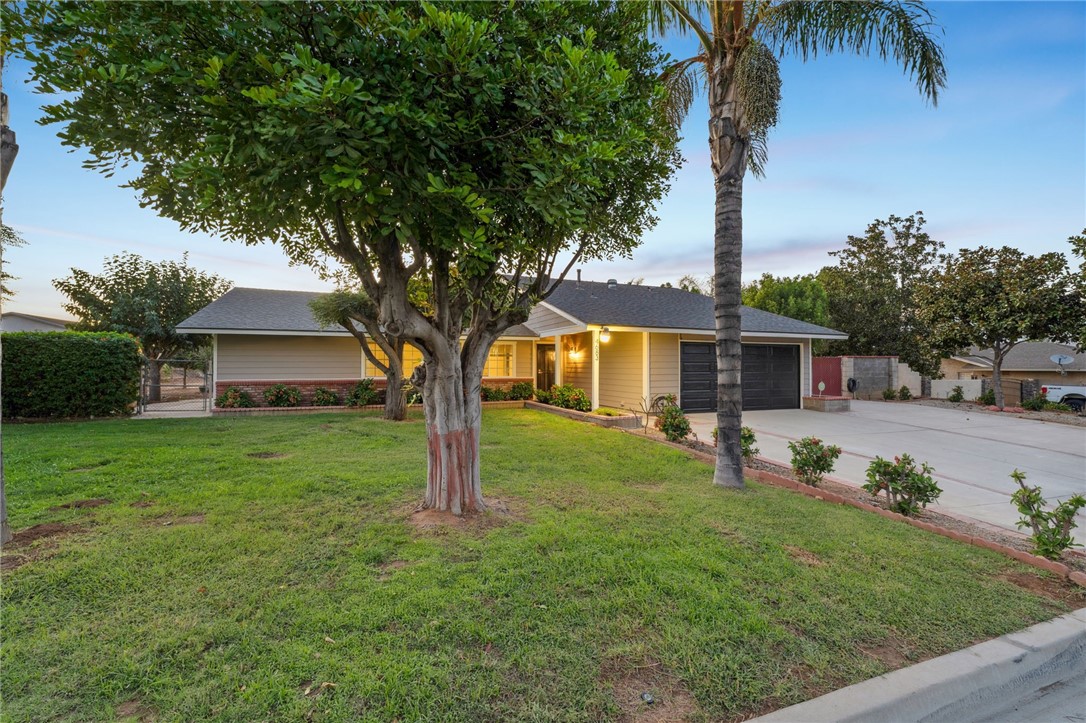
612	283
578	278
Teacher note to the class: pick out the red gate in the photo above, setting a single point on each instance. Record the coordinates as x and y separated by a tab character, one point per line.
826	369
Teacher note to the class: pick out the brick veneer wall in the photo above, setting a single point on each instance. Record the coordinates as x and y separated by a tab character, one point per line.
342	387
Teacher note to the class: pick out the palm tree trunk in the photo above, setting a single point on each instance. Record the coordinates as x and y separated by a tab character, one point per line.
728	149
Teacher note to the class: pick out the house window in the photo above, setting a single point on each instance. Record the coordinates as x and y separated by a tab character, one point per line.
500	361
412	357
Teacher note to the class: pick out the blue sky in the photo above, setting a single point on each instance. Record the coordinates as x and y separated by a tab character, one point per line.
1000	161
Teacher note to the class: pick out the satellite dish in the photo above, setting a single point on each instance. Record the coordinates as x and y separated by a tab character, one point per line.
1062	359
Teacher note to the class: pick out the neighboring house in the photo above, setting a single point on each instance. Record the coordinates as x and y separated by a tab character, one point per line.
16	321
621	343
1027	360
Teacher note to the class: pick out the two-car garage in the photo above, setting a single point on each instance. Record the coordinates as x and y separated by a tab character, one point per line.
771	376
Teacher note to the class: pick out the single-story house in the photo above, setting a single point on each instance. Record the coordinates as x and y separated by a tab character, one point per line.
17	321
1027	360
621	343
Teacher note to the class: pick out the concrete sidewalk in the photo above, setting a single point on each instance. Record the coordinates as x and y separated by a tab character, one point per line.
1036	674
972	454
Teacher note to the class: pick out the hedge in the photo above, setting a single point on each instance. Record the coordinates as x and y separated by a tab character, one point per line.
69	374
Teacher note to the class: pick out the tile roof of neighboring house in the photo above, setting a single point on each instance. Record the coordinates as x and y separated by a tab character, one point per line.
665	308
271	310
1033	356
256	310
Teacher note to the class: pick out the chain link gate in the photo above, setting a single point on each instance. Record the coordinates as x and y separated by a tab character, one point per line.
175	385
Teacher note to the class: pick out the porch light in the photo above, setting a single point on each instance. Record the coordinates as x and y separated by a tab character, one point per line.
605	335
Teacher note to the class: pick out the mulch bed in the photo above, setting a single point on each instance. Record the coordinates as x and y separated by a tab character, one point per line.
1069	418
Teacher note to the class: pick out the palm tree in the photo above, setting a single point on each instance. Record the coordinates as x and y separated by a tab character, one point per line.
738	66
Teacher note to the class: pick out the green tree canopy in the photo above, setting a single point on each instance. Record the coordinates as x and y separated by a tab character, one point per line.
872	290
467	143
145	299
1078	248
799	297
9	238
997	298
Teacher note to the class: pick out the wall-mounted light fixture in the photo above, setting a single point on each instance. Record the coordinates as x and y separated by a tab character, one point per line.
605	335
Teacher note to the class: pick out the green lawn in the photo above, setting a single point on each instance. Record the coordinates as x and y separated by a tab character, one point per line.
620	568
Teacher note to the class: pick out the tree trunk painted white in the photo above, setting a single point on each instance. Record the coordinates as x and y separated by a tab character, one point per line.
728	149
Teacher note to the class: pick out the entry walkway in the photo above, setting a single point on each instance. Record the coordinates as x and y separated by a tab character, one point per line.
972	454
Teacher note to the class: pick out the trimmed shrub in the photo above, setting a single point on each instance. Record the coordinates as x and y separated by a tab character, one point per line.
987	398
494	394
1051	530
70	374
365	392
889	395
568	396
907	488
904	394
234	398
325	397
746	443
520	391
811	459
956	395
543	396
280	395
674	424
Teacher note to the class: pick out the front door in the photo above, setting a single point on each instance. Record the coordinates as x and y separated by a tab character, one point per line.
544	366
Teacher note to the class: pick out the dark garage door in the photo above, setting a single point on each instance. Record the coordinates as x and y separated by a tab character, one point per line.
770	376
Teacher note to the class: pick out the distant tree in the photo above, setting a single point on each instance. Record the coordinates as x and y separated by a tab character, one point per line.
145	299
691	283
1078	248
798	297
356	312
9	238
871	291
996	299
636	281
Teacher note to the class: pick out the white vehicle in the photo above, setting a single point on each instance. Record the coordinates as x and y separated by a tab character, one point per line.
1072	396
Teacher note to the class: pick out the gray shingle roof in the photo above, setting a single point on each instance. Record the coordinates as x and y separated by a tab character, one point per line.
254	310
664	308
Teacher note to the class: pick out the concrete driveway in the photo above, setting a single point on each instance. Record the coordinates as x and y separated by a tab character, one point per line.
972	454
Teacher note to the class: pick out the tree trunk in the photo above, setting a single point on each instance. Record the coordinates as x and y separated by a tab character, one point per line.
997	377
154	380
453	422
395	399
728	149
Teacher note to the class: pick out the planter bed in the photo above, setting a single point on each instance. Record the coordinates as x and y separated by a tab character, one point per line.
270	411
626	421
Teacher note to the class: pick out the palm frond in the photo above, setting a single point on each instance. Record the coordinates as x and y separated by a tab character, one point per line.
758	154
683	81
900	29
680	16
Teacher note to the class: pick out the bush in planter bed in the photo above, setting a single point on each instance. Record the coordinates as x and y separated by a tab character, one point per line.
568	396
494	394
234	398
520	391
365	392
325	397
280	395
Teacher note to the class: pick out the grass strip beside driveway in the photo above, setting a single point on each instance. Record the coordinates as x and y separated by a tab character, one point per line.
244	563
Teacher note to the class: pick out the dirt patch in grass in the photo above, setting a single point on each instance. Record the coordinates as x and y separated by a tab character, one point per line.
23	538
142	503
804	556
1050	587
89	467
196	519
80	504
386	569
892	653
629	682
44	530
266	455
133	709
498	512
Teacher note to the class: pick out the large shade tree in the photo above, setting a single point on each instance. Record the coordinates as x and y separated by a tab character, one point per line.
469	144
737	63
997	298
133	295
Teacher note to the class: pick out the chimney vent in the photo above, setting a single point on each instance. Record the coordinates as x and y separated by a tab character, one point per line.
612	283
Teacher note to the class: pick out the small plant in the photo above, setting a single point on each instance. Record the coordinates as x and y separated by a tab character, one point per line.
1051	530
280	395
568	396
746	443
325	397
889	394
811	459
1037	403
987	397
904	394
520	391
610	412
650	407
673	423
365	392
234	398
956	395
907	487
543	396
494	394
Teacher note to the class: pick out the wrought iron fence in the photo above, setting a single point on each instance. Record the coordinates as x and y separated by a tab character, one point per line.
175	385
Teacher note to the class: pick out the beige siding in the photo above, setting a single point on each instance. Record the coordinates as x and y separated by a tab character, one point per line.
577	361
523	359
663	364
620	370
545	322
244	357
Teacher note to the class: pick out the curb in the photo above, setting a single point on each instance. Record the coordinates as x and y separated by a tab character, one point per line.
968	684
